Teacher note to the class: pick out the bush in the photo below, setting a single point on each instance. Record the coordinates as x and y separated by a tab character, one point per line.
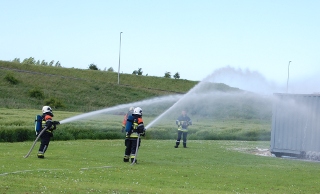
93	66
54	102
11	79
36	93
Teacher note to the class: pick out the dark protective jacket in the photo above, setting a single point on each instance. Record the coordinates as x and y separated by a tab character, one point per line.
183	121
48	123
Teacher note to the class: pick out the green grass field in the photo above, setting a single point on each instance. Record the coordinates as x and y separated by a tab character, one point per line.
96	166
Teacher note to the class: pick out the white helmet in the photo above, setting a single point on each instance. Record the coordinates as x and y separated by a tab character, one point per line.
137	111
46	109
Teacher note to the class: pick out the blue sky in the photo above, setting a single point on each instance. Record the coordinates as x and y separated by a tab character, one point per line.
194	38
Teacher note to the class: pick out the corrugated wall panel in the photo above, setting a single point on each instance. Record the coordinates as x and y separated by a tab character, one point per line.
311	141
295	123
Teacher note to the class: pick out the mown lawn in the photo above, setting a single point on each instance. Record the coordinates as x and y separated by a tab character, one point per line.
96	166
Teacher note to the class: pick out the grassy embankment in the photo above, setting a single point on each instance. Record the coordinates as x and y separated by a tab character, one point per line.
78	90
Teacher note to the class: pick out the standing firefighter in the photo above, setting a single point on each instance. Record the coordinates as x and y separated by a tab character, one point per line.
183	122
134	129
125	119
48	125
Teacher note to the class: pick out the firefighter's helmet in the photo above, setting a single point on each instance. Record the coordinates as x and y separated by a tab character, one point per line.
46	109
137	111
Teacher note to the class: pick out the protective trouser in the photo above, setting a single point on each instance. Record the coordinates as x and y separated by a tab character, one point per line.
45	140
131	146
184	134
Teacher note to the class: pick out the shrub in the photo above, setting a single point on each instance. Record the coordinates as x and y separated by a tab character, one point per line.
167	74
176	76
54	102
93	66
96	87
36	93
11	79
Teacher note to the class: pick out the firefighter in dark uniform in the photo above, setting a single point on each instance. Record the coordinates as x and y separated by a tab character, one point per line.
134	129
49	125
183	122
124	121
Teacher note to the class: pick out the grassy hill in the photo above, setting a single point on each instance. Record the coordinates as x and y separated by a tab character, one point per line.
70	89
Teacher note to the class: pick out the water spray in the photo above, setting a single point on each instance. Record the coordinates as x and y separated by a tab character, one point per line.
175	104
122	106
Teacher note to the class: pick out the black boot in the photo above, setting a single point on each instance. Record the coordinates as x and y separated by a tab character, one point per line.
185	145
40	155
132	159
126	158
177	145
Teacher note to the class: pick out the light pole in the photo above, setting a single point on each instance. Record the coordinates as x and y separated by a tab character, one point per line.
288	76
119	60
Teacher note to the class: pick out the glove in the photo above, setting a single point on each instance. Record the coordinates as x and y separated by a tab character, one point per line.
123	129
56	122
177	122
143	133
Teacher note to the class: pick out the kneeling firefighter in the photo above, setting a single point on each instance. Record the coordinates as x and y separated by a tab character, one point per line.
134	129
48	125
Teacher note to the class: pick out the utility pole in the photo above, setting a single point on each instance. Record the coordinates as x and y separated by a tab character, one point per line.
119	60
288	76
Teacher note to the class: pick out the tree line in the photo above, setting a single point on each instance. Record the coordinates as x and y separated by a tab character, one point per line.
92	66
32	61
167	74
